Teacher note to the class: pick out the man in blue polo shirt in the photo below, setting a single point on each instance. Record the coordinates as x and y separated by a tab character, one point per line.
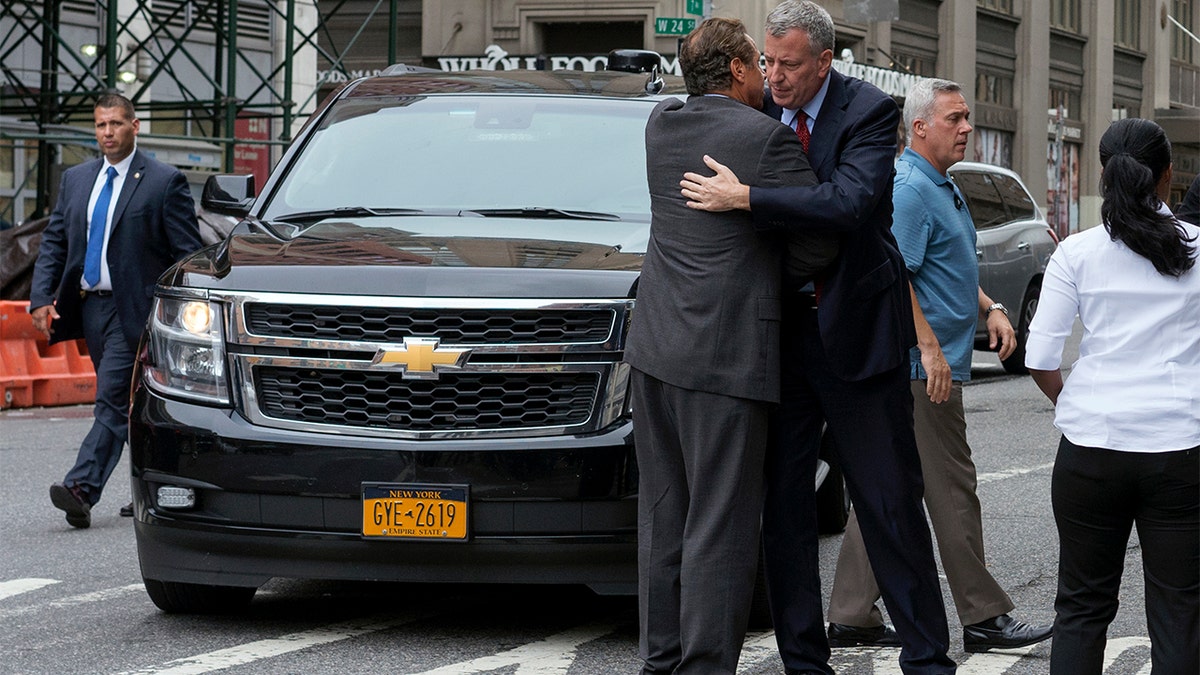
937	238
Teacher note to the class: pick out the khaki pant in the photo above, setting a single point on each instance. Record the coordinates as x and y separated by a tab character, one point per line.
953	508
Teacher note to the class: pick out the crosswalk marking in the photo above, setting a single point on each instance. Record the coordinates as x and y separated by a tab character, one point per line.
265	649
19	586
1117	646
71	601
552	656
1011	473
757	648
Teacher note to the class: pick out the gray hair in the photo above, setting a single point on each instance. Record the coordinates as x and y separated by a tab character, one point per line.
806	15
918	103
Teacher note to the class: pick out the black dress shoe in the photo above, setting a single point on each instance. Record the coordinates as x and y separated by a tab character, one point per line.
127	510
70	500
1002	632
841	635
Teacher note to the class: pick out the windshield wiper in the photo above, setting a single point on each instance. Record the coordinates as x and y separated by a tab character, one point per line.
345	212
544	212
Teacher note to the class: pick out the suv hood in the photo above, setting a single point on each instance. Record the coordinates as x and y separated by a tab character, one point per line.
428	256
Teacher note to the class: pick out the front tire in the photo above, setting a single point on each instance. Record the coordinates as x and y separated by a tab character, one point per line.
1015	363
177	598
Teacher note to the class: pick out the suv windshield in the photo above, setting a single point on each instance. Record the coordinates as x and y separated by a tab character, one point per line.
473	153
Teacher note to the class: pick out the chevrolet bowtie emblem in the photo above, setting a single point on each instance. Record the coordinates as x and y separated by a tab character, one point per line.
421	358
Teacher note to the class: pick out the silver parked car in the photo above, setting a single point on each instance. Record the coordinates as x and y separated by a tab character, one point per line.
1015	243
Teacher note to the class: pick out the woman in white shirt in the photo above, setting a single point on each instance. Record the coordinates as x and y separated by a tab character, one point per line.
1130	411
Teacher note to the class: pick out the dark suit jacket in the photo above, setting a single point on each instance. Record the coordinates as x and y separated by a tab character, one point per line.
865	311
154	225
707	312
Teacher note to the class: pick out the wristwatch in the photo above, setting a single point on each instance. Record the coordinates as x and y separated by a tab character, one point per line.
998	306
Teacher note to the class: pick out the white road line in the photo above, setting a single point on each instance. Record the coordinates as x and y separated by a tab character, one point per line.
1011	473
552	656
757	648
19	586
265	649
82	599
1115	647
886	660
994	663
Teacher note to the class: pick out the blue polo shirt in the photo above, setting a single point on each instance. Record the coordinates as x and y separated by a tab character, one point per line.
937	239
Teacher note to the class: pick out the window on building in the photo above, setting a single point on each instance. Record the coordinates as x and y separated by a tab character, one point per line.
1004	6
993	146
1127	25
1068	99
1064	14
1183	46
1062	192
994	88
1125	109
914	63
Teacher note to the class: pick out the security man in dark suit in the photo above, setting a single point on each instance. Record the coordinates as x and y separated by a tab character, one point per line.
845	351
119	223
704	347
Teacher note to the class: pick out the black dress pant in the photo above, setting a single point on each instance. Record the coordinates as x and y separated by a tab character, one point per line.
1098	496
872	424
700	467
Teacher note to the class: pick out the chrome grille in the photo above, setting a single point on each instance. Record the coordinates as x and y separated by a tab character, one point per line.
456	402
460	326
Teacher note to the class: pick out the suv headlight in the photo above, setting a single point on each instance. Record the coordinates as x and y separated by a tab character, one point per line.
187	350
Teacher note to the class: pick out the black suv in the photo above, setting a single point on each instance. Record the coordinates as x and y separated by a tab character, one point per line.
405	362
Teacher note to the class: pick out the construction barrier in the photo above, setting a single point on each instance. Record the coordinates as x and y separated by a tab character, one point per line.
35	373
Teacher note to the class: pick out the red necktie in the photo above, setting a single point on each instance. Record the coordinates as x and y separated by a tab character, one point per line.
802	129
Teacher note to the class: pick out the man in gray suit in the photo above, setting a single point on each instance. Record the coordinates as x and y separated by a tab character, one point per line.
704	346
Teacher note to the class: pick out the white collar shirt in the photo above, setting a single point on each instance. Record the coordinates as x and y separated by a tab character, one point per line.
789	115
122	167
1136	385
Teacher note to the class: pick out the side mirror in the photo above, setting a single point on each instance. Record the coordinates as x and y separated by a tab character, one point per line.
228	194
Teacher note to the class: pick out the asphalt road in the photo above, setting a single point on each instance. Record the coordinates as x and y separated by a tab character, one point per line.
71	601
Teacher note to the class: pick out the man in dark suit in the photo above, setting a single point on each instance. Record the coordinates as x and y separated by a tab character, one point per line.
704	346
845	352
119	223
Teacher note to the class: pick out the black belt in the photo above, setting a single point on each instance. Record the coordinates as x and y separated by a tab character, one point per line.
102	294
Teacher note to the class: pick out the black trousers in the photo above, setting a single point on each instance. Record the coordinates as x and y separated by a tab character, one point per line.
1098	496
113	358
700	467
872	425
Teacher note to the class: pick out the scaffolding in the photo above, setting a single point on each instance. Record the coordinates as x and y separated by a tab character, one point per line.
193	65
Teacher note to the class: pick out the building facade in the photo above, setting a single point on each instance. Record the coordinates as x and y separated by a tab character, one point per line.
223	85
1044	78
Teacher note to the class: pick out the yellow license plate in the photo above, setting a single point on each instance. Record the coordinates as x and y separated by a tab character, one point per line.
414	511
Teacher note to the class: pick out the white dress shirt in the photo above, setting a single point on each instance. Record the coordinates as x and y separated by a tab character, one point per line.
122	167
1136	385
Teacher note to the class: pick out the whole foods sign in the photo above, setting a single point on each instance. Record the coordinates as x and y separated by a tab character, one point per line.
892	82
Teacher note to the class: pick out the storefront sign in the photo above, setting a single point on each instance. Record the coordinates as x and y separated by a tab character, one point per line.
892	82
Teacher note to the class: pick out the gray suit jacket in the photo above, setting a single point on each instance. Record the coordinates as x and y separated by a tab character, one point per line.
707	310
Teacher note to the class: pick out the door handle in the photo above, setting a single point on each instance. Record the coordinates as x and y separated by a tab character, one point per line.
979	253
1024	246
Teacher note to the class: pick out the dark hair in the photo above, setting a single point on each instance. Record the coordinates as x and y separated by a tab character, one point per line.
708	50
117	101
1135	153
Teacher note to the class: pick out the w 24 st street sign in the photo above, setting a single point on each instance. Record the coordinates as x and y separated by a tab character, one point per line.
671	25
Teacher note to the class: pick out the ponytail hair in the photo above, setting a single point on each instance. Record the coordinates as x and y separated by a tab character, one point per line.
1135	153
